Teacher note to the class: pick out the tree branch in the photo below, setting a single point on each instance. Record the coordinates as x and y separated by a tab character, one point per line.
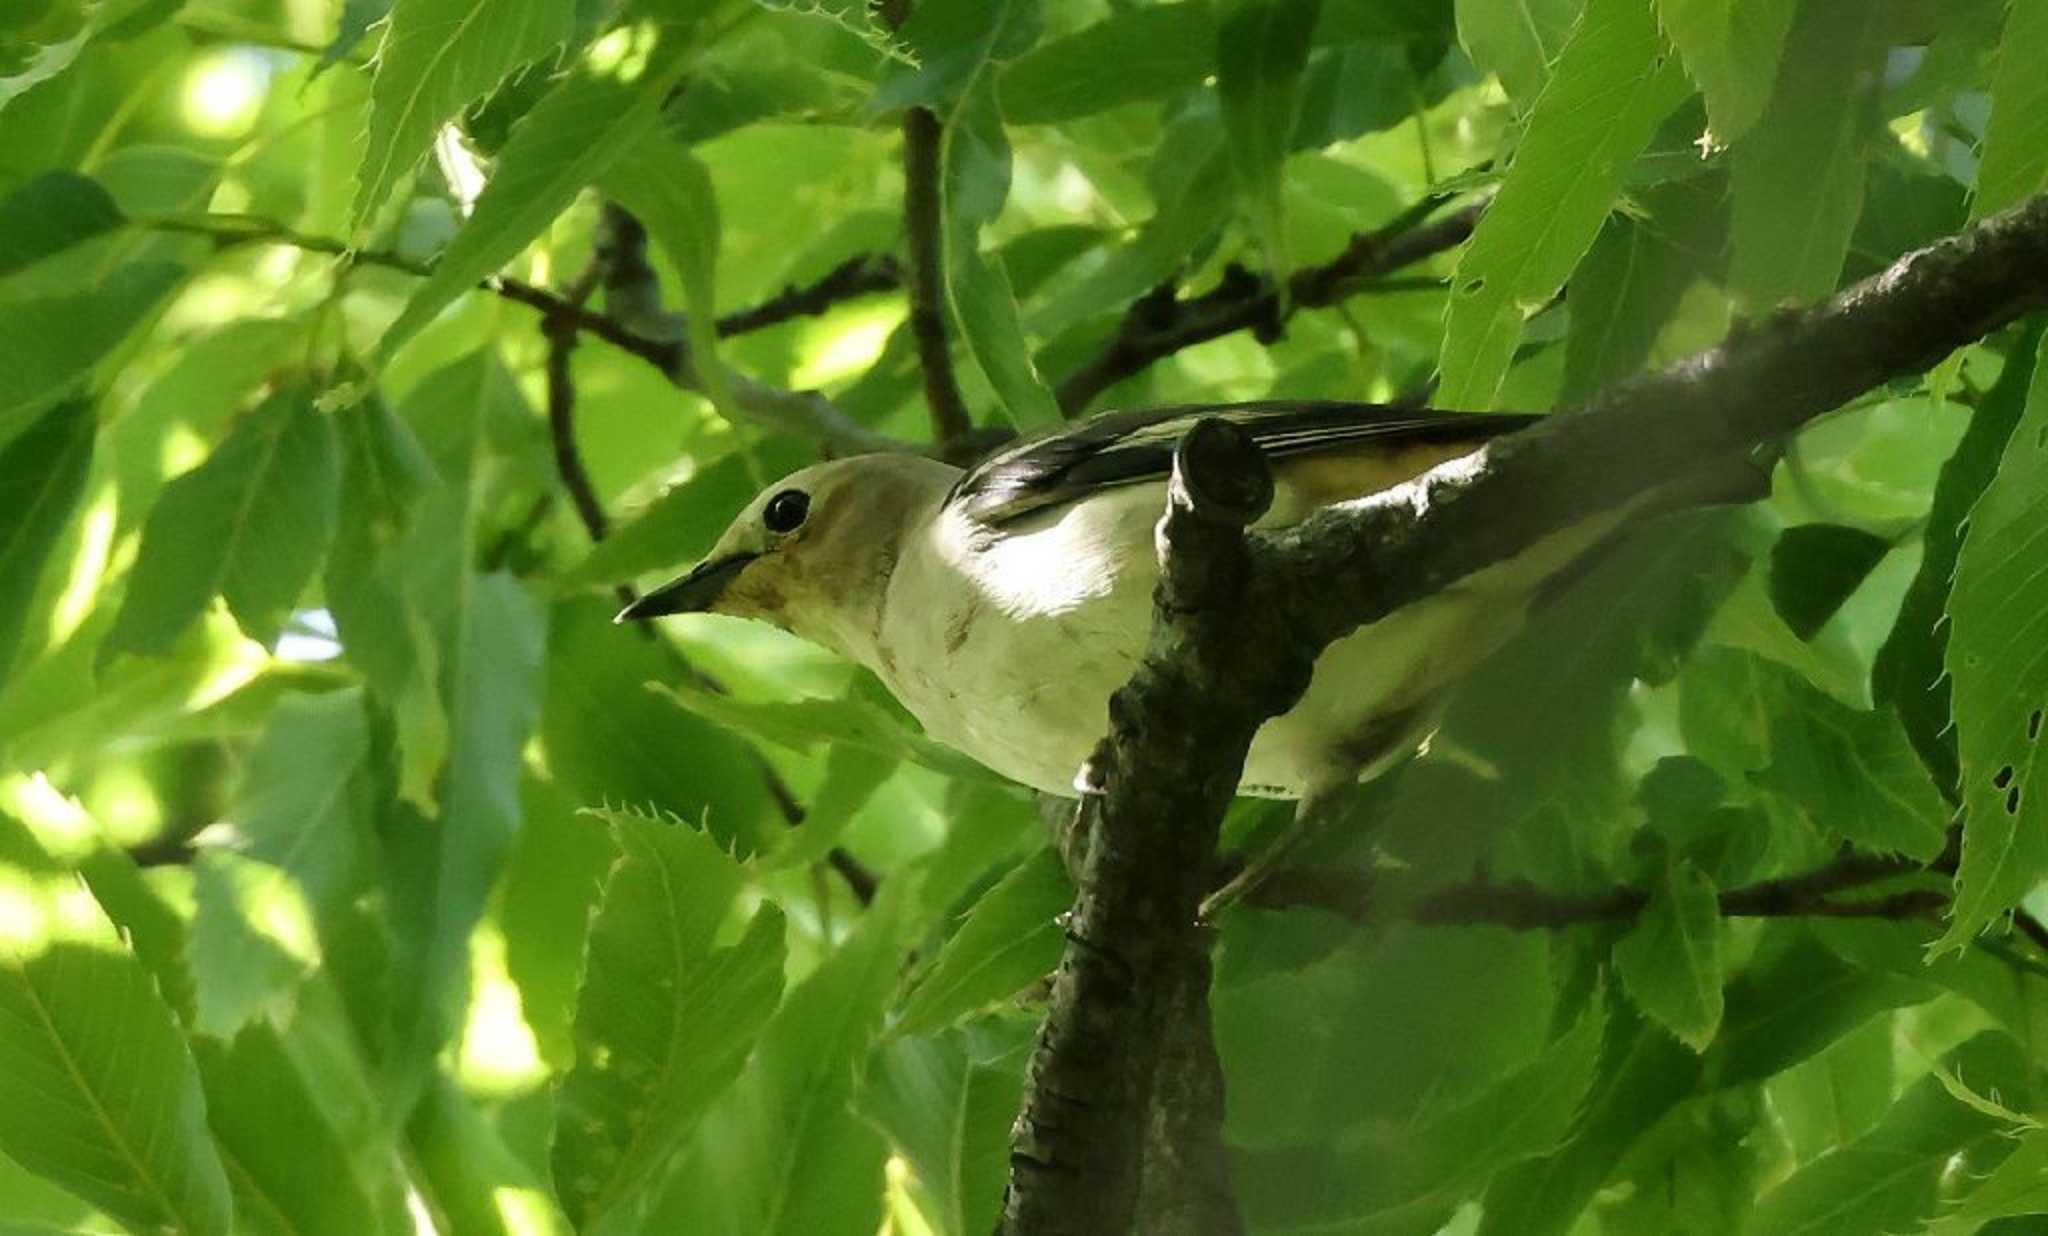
1159	324
1239	621
863	274
924	227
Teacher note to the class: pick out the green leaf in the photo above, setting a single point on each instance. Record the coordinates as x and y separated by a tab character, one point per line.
852	776
49	215
1731	48
800	725
553	880
1797	177
292	1170
664	1021
1564	179
2015	153
250	945
1009	940
1633	281
782	1151
669	190
1411	1178
974	181
1516	40
1261	51
55	342
1998	608
1133	54
577	131
683	523
610	740
1840	1094
1789	1007
2018	1187
1815	568
1887	1180
467	1173
99	1094
1851	773
357	16
42	478
304	805
250	524
436	56
1159	250
1670	961
947	1108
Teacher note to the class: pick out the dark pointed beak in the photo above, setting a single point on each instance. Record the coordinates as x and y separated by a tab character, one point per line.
693	593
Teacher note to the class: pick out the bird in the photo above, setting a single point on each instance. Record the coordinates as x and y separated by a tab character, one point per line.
1004	603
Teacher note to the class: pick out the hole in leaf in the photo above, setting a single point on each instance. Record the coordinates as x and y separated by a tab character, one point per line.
1474	287
2034	726
2002	778
2012	801
2041	438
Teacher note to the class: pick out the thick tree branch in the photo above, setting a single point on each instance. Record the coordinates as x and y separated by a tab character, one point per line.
1160	324
924	232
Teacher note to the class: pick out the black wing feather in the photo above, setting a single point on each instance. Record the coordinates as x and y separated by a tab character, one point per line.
1122	448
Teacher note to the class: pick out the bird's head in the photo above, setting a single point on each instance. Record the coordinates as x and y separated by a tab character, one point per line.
812	553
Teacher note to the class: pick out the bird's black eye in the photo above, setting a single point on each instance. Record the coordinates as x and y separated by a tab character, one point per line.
785	511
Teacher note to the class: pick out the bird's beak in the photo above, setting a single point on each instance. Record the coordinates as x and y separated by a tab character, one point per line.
693	593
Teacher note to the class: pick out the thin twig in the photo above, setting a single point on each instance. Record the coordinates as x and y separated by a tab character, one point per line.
1159	324
863	274
923	225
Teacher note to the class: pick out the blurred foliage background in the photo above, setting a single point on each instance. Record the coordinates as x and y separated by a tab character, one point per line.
353	880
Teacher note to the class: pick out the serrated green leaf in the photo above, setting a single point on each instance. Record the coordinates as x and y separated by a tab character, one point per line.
1797	177
2015	152
782	1151
49	215
1794	1005
1612	86
99	1094
1885	1181
1998	608
664	1021
682	524
42	477
1133	54
801	725
1731	49
1852	773
304	804
1670	960
1409	1179
669	190
1010	939
974	181
291	1169
578	130
947	1104
251	524
1261	51
436	56
54	342
1516	40
1815	568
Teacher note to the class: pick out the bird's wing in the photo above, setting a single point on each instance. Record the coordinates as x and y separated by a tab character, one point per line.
1122	448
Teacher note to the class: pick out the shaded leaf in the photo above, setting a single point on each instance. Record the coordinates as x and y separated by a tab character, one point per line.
1797	177
1261	51
1785	1009
1009	940
1564	179
801	725
664	1020
468	1173
2018	1187
49	215
1517	42
251	524
1731	48
1670	961
1133	54
1814	569
669	190
42	478
304	803
946	1104
852	776
54	342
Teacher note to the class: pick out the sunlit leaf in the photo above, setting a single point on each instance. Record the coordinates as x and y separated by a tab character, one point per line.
1731	48
664	1020
2015	162
435	56
1559	188
1518	42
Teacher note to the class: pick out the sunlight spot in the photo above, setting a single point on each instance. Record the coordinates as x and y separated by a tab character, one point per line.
524	1212
498	1053
237	661
126	802
847	346
60	824
182	451
95	542
23	933
623	53
224	92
